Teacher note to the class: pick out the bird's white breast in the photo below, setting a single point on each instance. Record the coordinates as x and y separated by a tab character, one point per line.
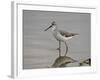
60	37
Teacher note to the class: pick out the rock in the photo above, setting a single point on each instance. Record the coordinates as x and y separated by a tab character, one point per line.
86	62
62	61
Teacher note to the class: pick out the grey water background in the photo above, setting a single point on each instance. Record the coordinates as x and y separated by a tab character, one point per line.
39	47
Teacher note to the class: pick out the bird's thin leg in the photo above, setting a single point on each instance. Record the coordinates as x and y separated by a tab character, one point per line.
66	48
59	48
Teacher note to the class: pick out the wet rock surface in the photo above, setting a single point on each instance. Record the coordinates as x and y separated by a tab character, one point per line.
62	61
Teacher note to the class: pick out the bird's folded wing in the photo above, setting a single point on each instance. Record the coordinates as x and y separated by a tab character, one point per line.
64	33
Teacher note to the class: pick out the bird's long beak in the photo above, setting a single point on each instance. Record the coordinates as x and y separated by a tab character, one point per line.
48	28
76	34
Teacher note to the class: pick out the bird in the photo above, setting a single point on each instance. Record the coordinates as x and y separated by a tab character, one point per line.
60	35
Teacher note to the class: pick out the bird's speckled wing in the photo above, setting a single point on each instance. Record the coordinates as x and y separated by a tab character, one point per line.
67	34
64	33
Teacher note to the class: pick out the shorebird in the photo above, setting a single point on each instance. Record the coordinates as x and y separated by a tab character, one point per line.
60	35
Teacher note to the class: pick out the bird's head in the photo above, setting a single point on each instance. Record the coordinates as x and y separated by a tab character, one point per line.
52	24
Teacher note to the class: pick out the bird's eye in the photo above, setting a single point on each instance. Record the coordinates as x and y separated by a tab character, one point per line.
72	35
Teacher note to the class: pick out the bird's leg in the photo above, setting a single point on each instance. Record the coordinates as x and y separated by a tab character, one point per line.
59	48
66	48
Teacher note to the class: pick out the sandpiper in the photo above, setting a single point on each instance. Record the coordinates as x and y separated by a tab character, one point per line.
60	35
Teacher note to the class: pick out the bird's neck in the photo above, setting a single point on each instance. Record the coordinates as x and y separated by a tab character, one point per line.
54	28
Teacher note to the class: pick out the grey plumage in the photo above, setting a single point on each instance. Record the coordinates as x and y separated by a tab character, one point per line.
67	34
